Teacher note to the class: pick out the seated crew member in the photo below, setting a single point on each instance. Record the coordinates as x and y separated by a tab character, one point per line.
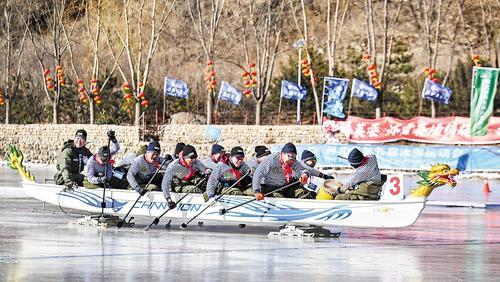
100	171
226	174
183	174
366	182
280	169
261	152
143	168
215	156
308	160
70	163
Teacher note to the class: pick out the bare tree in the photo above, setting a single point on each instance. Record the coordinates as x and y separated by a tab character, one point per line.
338	26
206	32
304	34
261	34
386	46
430	14
47	40
13	55
91	92
139	49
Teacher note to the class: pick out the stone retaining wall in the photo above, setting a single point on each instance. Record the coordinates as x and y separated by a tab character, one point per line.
41	143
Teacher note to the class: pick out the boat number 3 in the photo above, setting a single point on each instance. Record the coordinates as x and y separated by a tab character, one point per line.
395	183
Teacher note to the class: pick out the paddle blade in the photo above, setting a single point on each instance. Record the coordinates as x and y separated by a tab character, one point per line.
156	221
183	226
222	211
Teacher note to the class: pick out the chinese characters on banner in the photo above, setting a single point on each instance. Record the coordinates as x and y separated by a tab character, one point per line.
446	130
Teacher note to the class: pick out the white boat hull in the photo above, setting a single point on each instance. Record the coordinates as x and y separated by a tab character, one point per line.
374	214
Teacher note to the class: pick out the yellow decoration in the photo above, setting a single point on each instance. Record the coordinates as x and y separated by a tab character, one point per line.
14	158
438	175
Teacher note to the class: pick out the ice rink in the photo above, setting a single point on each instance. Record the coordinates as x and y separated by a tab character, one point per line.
450	244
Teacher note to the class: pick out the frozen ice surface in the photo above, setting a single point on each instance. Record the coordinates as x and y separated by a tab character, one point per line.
450	244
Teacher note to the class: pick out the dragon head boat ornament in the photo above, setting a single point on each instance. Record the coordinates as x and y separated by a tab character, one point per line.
14	158
437	176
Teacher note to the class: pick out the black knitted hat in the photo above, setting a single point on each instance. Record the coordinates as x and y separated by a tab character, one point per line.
237	151
189	152
355	157
261	151
307	155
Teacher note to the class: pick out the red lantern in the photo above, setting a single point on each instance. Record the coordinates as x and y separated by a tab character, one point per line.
127	96
141	95
125	85
141	84
145	103
81	89
244	75
46	72
435	80
247	92
210	63
252	65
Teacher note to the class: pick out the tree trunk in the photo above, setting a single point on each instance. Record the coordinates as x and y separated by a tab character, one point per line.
7	111
91	108
54	112
137	121
258	110
209	107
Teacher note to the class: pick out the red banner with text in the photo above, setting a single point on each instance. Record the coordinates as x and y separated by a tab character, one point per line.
445	130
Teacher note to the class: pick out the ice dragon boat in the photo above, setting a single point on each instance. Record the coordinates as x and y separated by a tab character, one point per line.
384	213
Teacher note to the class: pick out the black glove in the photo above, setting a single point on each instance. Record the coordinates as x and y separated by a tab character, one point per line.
328	176
70	187
102	179
142	191
171	204
111	136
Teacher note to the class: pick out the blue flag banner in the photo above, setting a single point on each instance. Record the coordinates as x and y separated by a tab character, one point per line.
335	89
293	91
437	92
363	91
229	93
176	88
